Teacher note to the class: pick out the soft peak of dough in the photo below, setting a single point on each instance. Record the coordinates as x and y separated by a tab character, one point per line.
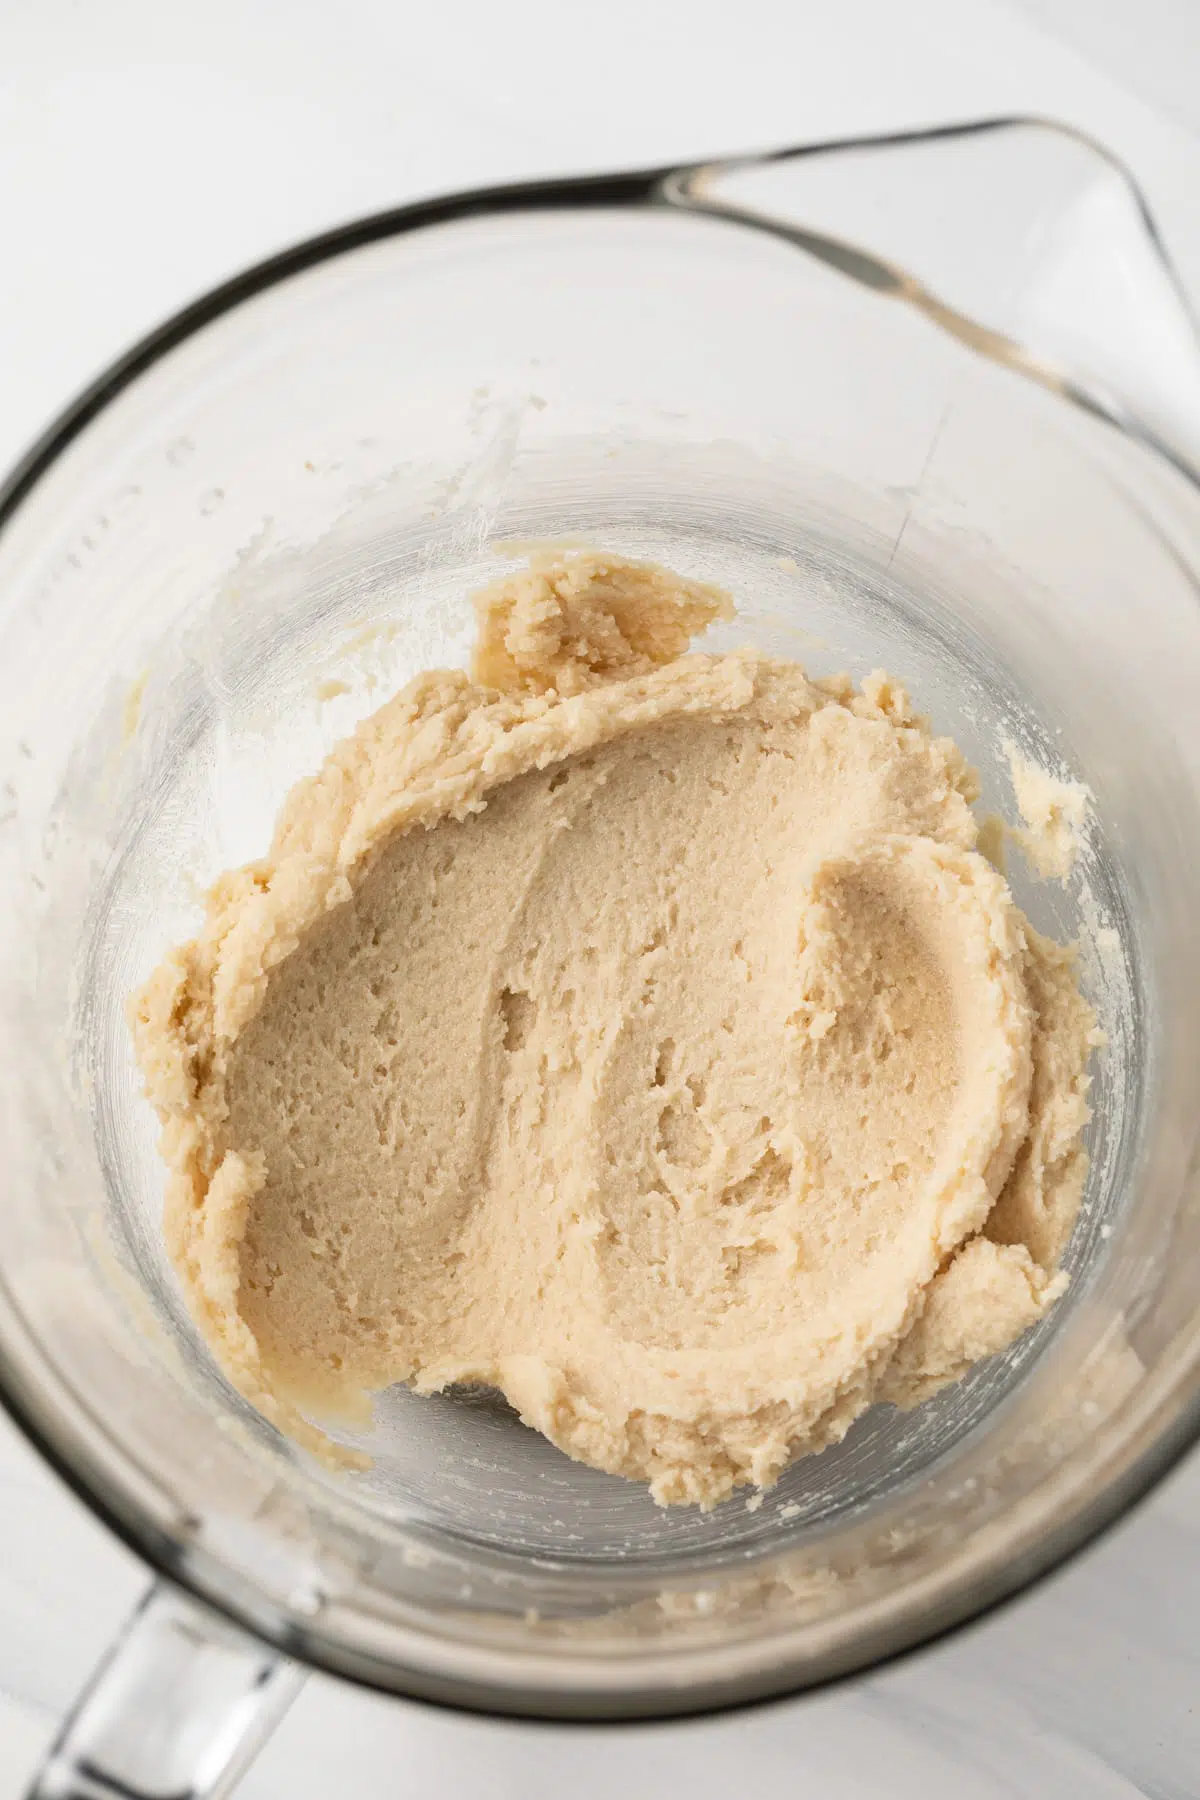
571	623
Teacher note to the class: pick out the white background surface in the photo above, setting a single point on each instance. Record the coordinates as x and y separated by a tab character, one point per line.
147	150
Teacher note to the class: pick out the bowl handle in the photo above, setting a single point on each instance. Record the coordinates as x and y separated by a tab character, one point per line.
176	1711
1022	238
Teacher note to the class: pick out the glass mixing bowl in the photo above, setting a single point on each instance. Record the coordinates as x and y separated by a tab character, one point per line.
931	404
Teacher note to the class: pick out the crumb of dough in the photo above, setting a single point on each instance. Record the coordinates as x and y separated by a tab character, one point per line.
638	1032
1054	811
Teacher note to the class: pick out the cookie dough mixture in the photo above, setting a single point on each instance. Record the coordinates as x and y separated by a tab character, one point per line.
637	1032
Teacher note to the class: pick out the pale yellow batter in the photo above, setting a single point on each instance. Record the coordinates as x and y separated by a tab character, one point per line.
639	1033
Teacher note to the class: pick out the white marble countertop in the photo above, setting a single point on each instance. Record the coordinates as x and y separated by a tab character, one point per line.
149	150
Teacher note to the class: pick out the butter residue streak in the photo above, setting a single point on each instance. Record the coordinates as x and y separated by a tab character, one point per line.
1053	810
131	711
638	1032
